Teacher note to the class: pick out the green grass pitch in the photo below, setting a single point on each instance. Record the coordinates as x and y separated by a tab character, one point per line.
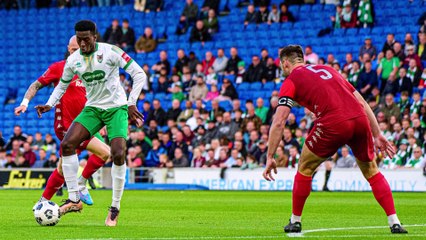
202	215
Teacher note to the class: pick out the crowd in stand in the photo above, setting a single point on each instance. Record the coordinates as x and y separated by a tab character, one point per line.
189	134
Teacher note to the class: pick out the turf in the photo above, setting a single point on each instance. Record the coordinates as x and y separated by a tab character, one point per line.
214	215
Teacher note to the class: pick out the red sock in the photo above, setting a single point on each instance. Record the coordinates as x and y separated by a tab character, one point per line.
93	164
54	183
382	193
301	190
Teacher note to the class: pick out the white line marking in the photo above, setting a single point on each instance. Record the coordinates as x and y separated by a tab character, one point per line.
347	228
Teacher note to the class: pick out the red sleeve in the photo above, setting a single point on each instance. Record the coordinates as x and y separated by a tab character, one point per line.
52	75
288	89
349	86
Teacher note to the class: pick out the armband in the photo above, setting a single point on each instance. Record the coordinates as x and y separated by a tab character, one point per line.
25	102
286	101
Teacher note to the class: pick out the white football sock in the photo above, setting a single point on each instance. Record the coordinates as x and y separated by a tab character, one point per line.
295	218
82	183
118	174
70	169
393	219
42	199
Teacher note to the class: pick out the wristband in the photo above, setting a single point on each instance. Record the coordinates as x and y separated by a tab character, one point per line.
25	102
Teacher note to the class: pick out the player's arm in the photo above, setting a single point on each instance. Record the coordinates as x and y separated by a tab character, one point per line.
58	92
139	79
379	140
29	95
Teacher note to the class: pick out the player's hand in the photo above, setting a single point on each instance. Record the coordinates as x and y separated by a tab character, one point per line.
20	109
42	109
271	164
384	146
135	116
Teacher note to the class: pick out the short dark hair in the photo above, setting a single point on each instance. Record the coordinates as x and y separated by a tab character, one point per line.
85	25
293	53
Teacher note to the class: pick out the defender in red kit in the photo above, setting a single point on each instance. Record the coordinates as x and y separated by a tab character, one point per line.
343	117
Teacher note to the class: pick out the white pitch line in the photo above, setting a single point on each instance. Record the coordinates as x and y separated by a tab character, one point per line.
342	229
365	236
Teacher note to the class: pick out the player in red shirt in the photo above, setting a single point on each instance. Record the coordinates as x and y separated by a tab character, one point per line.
67	110
343	117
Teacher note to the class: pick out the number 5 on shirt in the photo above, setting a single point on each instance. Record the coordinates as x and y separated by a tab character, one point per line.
326	76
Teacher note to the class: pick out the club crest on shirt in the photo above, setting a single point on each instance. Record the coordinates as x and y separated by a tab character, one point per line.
100	58
78	64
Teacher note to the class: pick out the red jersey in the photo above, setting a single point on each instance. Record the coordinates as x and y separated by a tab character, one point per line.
71	103
324	92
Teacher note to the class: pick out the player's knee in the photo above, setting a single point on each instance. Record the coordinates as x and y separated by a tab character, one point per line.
118	156
67	147
306	169
105	154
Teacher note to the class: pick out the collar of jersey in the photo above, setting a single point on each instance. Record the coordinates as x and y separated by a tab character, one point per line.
87	55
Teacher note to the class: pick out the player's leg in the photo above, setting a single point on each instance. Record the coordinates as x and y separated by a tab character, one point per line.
84	126
117	126
101	154
308	163
363	148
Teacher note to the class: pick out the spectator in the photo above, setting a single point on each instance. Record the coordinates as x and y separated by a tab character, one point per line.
187	112
310	56
162	84
293	158
127	40
153	157
349	17
52	162
10	162
232	64
211	23
162	64
113	33
365	14
212	131
193	62
416	104
50	143
241	72
211	78
179	159
271	110
251	117
222	159
271	72
403	83
281	157
180	62
354	74
227	128
188	17
337	18
146	43
158	114
198	161
252	17
208	62
209	5
399	53
390	41
285	14
388	69
17	135
263	14
179	142
3	159
264	55
153	6
220	63
164	161
29	155
367	48
422	83
261	111
174	111
347	67
200	33
274	15
331	60
412	55
417	160
346	160
390	108
198	91
177	93
367	80
413	72
255	71
228	91
133	159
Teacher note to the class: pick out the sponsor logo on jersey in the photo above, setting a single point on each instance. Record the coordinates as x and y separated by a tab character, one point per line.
100	58
93	76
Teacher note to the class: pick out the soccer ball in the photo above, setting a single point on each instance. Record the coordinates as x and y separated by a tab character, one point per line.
47	213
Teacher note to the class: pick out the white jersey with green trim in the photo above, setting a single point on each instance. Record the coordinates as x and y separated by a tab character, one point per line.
99	72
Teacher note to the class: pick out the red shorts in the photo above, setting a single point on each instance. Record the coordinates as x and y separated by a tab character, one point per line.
324	141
